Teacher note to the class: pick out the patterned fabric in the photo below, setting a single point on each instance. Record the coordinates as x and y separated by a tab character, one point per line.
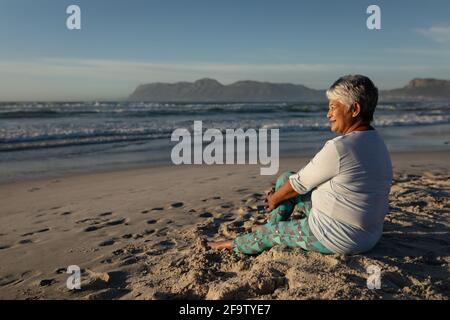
279	231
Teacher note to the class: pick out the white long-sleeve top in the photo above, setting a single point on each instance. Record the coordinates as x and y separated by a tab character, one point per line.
351	178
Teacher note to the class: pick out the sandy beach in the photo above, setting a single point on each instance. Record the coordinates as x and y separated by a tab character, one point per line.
137	234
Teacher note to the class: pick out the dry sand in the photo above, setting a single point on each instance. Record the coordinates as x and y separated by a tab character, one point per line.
136	234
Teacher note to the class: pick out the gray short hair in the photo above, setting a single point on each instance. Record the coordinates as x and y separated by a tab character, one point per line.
355	88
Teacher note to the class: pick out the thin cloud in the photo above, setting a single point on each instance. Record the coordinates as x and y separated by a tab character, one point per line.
429	53
440	34
136	71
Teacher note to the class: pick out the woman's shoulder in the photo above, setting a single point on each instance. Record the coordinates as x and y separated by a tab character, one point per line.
368	148
357	140
357	136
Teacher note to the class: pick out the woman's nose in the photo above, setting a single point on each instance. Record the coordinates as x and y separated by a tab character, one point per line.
329	114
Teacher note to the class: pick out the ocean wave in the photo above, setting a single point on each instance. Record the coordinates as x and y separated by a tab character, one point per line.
74	140
41	125
151	110
51	136
42	114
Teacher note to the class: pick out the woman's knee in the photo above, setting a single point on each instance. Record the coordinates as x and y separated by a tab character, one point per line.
284	177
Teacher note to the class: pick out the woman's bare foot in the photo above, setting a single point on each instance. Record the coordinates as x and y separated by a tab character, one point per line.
220	245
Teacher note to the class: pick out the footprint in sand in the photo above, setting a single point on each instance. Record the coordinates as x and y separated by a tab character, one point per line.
106	224
92	228
25	241
213	198
245	213
117	221
46	282
153	209
60	270
87	220
176	205
162	232
106	261
107	243
227	217
118	252
27	234
149	231
129	261
151	221
205	215
2	247
165	244
104	214
66	213
8	279
237	223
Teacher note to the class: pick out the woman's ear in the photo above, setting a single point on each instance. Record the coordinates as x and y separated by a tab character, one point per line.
356	109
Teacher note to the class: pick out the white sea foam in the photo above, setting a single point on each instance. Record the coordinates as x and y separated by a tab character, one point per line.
49	124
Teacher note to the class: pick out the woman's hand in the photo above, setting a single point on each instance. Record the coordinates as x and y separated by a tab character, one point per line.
273	198
270	201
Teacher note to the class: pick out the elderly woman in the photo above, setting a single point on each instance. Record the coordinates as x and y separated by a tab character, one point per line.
343	190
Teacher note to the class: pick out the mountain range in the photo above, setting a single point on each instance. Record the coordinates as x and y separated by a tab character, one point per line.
210	90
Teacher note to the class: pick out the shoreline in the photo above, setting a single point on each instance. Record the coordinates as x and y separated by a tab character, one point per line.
289	157
56	163
135	235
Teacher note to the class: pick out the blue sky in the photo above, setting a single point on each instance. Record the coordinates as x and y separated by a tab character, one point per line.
126	43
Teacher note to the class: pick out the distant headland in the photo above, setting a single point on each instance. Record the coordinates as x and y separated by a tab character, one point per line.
210	90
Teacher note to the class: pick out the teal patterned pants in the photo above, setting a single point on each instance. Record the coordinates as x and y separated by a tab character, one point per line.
279	231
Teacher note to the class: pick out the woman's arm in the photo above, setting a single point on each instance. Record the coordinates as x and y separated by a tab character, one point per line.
324	166
285	192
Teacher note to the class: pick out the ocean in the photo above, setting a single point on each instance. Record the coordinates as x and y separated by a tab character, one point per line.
52	139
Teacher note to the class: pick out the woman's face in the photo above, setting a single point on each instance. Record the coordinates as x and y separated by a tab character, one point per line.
339	117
